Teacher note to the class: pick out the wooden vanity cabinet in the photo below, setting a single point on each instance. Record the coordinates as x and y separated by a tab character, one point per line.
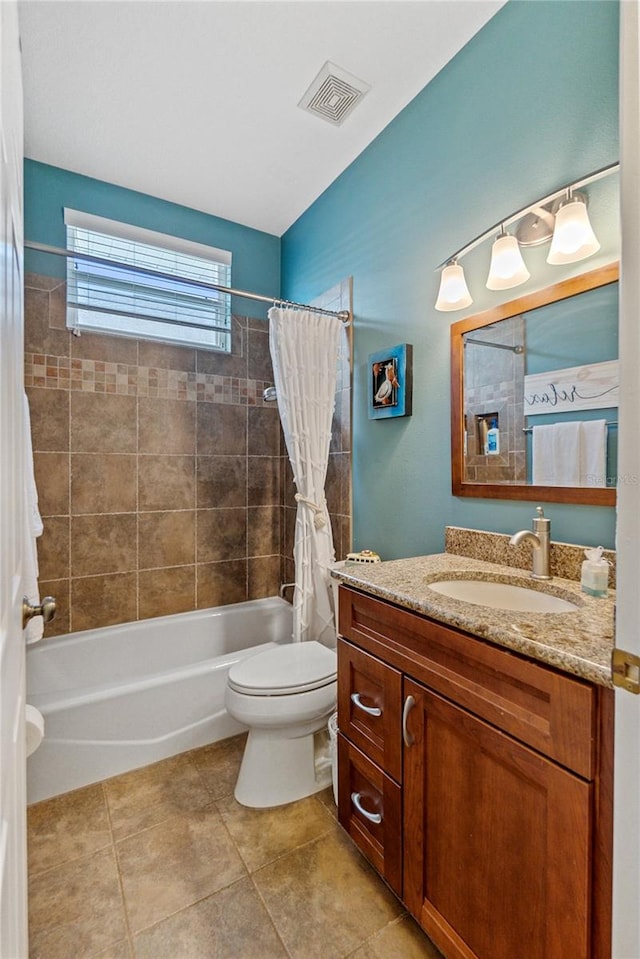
491	777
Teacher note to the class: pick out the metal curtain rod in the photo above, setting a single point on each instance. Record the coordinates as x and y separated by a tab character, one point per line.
343	315
495	346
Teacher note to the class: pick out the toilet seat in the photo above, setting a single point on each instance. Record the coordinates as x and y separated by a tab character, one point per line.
286	670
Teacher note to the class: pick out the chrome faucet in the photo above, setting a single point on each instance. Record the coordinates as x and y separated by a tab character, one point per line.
540	539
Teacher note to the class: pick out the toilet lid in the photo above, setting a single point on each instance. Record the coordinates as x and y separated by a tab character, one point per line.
294	668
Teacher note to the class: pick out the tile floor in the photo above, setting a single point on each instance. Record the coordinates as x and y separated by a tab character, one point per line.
162	863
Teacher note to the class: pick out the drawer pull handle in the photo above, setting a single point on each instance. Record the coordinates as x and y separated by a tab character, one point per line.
374	817
409	703
371	710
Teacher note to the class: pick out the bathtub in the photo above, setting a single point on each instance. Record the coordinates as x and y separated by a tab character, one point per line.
122	697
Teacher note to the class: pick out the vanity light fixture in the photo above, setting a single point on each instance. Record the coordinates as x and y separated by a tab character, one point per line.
507	268
573	236
454	292
560	216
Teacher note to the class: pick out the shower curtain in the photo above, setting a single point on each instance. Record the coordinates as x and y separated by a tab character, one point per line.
304	350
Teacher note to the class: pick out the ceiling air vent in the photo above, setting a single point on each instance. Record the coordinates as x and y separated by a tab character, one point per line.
333	94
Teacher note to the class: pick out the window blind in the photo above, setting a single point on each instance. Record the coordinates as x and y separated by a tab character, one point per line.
111	287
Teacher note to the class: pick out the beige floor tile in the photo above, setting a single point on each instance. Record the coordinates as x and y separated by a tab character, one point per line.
219	764
76	910
232	924
324	899
325	796
401	938
262	835
67	827
120	950
145	797
174	864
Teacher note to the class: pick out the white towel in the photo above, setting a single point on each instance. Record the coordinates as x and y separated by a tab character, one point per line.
593	453
570	454
32	528
556	455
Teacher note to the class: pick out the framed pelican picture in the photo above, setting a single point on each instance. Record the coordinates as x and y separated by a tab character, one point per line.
390	382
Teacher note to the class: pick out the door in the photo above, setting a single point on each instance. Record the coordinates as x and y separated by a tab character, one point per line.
497	840
626	855
13	899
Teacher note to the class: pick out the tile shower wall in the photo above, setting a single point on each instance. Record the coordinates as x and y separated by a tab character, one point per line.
494	384
160	470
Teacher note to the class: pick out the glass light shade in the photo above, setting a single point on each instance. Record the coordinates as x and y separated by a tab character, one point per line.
507	266
573	237
454	292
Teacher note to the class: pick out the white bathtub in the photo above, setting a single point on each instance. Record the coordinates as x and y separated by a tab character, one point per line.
121	697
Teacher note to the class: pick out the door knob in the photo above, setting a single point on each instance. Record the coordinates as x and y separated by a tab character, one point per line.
47	610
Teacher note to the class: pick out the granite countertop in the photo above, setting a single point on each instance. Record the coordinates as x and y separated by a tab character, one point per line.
577	642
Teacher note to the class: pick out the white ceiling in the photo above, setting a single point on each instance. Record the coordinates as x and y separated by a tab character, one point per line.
195	101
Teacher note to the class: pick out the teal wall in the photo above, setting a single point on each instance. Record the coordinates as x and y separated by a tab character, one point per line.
528	105
47	190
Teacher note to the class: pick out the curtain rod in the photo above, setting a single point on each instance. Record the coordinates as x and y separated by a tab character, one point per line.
343	315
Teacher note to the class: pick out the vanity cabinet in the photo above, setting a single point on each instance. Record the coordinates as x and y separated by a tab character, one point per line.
478	783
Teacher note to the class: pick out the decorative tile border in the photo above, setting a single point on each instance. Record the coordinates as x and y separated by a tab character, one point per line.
94	376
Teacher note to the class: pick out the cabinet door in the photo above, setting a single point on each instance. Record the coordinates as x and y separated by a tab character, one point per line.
370	809
497	840
369	701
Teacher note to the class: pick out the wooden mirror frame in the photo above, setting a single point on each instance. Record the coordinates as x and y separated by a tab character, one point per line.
587	495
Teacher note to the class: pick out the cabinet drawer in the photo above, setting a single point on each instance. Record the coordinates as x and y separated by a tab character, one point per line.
370	809
542	707
369	707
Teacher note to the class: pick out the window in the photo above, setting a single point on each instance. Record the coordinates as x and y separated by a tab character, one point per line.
111	287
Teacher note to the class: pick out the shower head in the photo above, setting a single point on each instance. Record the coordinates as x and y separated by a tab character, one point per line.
269	395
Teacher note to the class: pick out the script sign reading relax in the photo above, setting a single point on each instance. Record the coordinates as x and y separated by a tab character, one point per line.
592	387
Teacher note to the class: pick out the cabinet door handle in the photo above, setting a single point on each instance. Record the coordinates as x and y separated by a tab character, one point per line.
371	710
409	703
374	817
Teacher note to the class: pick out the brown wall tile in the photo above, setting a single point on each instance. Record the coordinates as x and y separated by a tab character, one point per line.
103	483
166	356
221	481
219	584
222	535
103	544
263	481
53	548
166	591
166	539
106	349
38	336
166	482
259	366
52	482
264	431
103	423
222	429
264	576
49	410
166	426
103	600
263	525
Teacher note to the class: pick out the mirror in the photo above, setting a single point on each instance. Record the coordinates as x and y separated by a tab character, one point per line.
548	359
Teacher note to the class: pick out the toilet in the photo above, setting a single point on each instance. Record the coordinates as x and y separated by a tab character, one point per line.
285	696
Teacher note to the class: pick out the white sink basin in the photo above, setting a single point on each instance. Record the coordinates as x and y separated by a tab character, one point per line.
481	592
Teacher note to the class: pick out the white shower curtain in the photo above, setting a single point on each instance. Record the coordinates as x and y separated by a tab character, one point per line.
304	350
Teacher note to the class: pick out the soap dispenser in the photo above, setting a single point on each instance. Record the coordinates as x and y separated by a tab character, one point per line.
595	573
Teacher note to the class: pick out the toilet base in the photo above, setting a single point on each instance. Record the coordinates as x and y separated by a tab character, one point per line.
276	770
